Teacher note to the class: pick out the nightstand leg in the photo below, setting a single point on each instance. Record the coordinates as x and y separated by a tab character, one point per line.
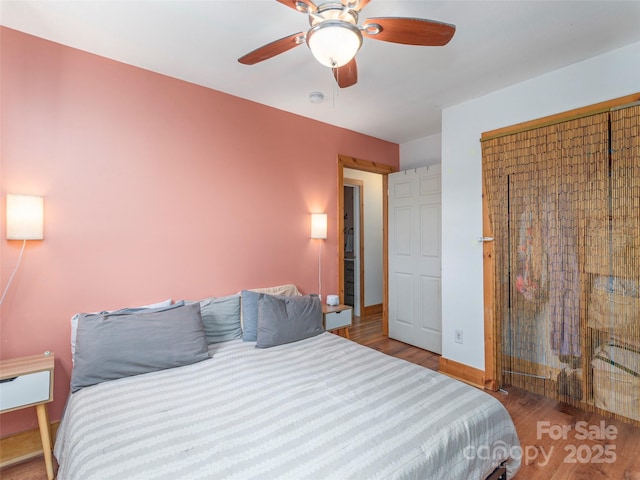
346	333
45	436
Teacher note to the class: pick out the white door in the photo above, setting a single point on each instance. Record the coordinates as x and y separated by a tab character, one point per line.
415	258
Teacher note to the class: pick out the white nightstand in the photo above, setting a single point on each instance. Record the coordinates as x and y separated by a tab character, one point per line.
337	319
28	382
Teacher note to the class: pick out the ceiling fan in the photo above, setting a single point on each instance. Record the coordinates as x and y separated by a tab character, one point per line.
335	36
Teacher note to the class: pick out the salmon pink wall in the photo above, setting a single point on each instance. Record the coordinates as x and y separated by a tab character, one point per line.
154	188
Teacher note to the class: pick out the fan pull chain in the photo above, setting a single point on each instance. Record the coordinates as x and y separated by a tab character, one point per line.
336	89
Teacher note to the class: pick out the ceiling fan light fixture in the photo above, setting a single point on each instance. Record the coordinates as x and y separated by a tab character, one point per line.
334	43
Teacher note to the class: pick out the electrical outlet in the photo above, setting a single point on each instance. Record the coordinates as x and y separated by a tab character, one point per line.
457	336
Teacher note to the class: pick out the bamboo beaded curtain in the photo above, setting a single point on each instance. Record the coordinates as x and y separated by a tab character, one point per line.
564	206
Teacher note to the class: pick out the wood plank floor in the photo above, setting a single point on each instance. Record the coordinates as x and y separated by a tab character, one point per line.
546	456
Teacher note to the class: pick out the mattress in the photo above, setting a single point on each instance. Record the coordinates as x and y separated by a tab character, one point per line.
320	408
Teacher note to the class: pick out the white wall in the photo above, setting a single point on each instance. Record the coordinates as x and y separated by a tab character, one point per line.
611	75
372	234
421	152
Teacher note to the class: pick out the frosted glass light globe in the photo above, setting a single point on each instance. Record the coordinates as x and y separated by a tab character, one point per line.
334	43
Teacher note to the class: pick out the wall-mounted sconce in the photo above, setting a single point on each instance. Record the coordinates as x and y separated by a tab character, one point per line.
25	221
319	225
319	231
25	217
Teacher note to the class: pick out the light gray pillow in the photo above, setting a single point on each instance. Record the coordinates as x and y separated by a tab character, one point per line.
125	343
283	319
221	318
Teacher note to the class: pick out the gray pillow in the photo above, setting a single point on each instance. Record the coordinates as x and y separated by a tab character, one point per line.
283	319
74	322
125	343
249	315
221	318
249	310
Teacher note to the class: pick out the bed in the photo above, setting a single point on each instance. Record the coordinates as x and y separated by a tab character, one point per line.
321	407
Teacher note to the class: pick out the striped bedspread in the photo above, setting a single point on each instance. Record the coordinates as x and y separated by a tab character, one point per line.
321	408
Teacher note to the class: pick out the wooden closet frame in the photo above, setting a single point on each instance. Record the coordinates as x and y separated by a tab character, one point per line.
491	375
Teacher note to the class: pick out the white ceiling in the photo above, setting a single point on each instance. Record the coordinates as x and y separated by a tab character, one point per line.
401	89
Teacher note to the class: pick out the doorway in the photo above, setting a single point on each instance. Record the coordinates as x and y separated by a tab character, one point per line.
383	170
354	245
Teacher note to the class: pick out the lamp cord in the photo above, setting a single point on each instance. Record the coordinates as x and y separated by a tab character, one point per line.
24	242
320	270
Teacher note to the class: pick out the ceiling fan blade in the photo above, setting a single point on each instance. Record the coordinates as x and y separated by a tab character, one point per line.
347	75
356	5
409	31
303	6
272	49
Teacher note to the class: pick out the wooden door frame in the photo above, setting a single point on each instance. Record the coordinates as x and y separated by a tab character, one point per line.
384	170
491	374
360	185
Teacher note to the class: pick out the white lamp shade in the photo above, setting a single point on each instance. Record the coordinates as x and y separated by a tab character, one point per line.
334	43
25	217
319	225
